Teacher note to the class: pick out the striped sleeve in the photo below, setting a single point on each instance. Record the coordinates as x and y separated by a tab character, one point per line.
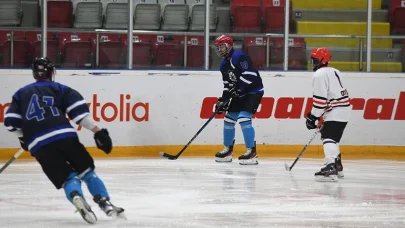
75	105
13	119
319	95
225	92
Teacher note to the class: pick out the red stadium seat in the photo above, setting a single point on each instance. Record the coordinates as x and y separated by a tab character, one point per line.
296	54
246	15
255	47
397	16
53	51
195	52
77	54
112	54
273	14
168	51
142	54
22	53
60	14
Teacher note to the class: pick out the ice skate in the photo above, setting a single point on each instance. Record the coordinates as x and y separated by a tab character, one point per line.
328	173
84	208
339	166
108	208
250	157
225	155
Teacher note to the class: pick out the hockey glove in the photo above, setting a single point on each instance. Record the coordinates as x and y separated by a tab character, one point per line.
103	140
310	122
236	93
221	106
22	143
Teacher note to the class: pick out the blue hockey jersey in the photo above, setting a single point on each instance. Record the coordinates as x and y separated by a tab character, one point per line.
238	71
39	110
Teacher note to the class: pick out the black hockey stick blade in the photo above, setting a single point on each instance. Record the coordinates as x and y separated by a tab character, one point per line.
174	157
168	156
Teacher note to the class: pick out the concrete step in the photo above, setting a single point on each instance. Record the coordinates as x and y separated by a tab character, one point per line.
353	54
339	15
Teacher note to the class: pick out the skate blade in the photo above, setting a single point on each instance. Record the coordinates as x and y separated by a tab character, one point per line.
330	178
341	174
225	159
252	161
84	210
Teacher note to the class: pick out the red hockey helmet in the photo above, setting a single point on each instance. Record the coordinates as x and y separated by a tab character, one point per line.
223	45
320	57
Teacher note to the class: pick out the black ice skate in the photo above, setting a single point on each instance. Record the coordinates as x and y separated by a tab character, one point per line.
108	208
250	157
84	208
339	166
225	155
327	174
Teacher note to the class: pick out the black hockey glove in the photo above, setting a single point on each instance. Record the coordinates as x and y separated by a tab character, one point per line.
103	141
310	122
22	143
236	93
221	106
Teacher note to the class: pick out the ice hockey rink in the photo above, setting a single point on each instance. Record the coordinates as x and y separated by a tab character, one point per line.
199	193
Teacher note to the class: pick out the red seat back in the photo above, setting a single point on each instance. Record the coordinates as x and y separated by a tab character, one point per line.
296	54
22	53
112	54
53	50
60	14
195	52
255	47
398	21
246	15
78	54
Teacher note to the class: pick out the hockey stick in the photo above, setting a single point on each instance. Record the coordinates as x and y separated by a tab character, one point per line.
174	157
12	159
288	168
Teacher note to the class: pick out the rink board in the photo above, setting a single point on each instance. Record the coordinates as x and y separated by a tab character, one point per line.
151	111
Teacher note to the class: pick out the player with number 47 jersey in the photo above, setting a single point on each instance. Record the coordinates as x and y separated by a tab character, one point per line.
37	115
330	101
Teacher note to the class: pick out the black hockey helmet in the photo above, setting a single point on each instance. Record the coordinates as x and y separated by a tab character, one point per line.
43	69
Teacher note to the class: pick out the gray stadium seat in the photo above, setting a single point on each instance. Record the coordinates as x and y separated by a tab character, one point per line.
116	16
197	15
10	13
147	16
175	15
88	15
106	2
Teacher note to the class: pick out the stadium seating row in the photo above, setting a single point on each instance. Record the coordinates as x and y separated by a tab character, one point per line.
168	15
78	50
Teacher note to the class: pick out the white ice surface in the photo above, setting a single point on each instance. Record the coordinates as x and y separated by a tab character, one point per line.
199	193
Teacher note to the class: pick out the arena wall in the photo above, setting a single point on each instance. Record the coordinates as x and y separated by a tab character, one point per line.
151	111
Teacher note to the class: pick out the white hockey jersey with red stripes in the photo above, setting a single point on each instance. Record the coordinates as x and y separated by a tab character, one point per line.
330	96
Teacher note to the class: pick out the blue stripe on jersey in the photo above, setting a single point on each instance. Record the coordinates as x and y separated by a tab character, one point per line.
52	138
48	136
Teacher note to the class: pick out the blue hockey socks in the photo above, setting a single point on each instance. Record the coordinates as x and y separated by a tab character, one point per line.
72	184
95	184
245	121
229	128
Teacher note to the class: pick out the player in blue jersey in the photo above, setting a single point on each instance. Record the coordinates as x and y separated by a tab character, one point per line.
37	115
243	85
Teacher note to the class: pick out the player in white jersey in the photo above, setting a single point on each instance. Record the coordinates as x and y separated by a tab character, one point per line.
331	102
